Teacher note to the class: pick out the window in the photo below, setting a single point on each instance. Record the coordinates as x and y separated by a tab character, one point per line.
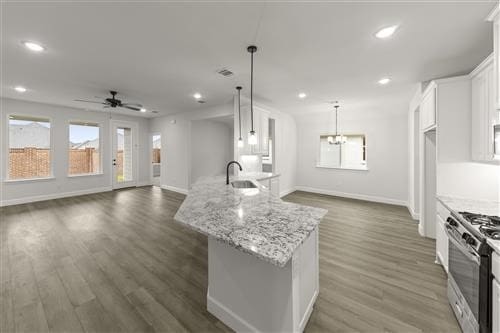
29	148
84	149
343	151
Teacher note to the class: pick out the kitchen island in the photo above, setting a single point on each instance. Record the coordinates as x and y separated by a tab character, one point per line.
263	272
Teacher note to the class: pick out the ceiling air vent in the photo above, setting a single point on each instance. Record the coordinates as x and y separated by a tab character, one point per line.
154	111
225	72
201	102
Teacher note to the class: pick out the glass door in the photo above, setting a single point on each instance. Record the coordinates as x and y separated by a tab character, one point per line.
156	158
123	157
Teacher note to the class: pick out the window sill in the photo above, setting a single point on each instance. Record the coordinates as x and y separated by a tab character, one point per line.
342	168
85	175
28	180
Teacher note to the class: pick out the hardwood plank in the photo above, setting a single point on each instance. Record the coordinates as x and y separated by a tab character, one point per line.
57	306
123	264
77	288
94	318
156	315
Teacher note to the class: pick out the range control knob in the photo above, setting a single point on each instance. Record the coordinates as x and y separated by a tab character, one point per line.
471	241
452	222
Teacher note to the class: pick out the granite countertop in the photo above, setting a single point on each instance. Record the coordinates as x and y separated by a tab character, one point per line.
473	206
258	175
252	220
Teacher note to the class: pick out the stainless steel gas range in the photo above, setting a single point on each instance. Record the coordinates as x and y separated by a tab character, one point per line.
470	278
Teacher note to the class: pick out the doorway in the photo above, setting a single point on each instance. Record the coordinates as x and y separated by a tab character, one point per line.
427	225
123	154
156	159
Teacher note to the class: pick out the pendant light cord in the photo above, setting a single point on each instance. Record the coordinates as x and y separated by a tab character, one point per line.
336	120
239	109
251	89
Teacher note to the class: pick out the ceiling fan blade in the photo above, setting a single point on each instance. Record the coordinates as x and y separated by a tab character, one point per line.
82	100
130	107
132	104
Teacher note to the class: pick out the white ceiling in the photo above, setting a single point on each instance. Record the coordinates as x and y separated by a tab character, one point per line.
159	54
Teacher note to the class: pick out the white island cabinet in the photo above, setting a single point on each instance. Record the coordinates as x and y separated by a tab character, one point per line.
263	271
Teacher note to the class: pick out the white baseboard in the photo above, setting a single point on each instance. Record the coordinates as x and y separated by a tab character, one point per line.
414	215
227	316
308	312
287	192
175	189
144	183
353	196
53	196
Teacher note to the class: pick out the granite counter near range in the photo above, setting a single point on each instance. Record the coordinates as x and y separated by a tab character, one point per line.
251	220
457	205
263	259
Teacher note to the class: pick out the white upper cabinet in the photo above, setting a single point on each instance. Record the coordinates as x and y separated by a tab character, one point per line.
495	18
428	107
484	113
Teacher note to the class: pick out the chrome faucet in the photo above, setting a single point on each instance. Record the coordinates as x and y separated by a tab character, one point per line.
227	170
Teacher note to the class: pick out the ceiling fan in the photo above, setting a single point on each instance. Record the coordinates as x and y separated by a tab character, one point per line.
113	103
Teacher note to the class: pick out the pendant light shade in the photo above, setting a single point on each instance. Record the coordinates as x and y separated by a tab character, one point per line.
252	138
240	140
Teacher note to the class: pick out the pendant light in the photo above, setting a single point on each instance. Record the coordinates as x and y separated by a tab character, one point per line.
339	139
240	140
252	138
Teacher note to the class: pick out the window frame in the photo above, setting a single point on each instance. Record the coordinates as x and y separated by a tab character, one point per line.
100	126
340	167
51	176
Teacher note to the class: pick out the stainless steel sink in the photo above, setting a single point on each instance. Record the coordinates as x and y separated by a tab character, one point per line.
243	184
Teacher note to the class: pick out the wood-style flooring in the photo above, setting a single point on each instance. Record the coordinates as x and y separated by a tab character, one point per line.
117	261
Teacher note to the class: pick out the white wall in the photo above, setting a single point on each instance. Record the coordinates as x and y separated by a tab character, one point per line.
175	132
62	185
387	154
211	148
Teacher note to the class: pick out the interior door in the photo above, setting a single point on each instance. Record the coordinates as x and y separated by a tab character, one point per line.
123	155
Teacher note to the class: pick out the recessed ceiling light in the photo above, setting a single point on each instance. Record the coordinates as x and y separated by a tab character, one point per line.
197	95
20	89
33	46
386	32
302	95
143	110
384	81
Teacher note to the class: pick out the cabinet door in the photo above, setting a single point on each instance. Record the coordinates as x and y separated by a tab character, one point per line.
428	109
491	116
264	132
441	243
479	111
245	130
496	61
483	115
256	149
496	307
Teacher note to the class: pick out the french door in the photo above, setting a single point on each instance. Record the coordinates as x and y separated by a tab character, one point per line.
124	154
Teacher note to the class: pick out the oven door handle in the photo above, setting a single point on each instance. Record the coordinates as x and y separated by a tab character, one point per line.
470	255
